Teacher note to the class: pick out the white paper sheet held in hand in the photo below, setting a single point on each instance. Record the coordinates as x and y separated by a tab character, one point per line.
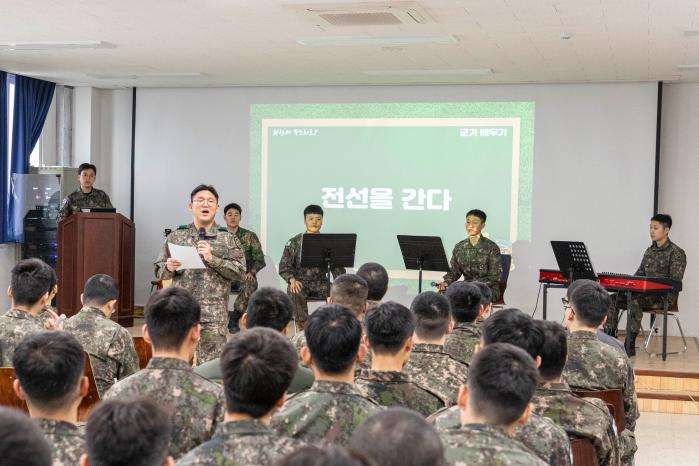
188	255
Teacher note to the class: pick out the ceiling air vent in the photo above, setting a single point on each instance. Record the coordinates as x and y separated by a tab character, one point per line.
365	14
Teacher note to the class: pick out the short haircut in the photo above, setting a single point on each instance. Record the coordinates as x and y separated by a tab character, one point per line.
312	209
86	166
514	327
134	432
665	219
501	380
432	315
554	351
203	187
590	303
398	437
99	290
350	290
22	443
477	213
257	367
572	287
465	299
49	366
269	307
230	206
388	326
376	278
30	281
333	335
326	455
486	293
170	314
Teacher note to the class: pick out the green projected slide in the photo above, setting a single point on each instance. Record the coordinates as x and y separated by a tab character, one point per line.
380	170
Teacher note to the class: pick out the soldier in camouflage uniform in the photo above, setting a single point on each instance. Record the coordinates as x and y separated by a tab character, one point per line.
224	262
495	402
196	405
663	258
465	299
304	282
50	369
389	327
109	345
594	365
86	196
254	262
476	257
332	408
257	365
430	366
30	281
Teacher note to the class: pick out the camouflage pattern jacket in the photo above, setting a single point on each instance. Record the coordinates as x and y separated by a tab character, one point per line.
547	440
110	346
327	411
461	342
485	445
393	388
210	286
480	262
580	417
14	326
435	369
78	200
241	443
66	440
290	264
196	404
668	260
254	257
594	365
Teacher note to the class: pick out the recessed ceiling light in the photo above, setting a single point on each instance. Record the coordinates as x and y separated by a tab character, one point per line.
55	45
566	35
691	32
688	67
378	40
143	76
418	72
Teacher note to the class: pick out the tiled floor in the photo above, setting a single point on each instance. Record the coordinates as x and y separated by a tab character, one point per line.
667	440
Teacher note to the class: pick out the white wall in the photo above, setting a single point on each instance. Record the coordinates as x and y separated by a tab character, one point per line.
593	165
679	190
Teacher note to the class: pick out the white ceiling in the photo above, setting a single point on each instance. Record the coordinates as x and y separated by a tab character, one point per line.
254	42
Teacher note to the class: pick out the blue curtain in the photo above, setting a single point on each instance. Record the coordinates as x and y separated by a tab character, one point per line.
4	172
32	101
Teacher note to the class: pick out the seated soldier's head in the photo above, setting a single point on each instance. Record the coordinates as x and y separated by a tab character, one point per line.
22	443
486	299
313	218
326	455
257	367
376	278
587	306
134	432
501	382
172	322
398	437
389	331
475	222
50	368
231	214
333	337
465	299
350	290
30	285
554	351
100	292
432	317
514	327
268	307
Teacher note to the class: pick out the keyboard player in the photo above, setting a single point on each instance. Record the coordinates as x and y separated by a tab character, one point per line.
662	259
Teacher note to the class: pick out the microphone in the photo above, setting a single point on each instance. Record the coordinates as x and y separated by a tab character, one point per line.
435	284
202	234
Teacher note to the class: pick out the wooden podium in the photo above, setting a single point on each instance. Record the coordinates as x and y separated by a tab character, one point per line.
92	243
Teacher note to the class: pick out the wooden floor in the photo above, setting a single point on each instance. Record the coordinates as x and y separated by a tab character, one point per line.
687	362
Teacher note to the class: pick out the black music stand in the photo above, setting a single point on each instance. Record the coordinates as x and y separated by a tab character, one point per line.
328	250
423	253
573	260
